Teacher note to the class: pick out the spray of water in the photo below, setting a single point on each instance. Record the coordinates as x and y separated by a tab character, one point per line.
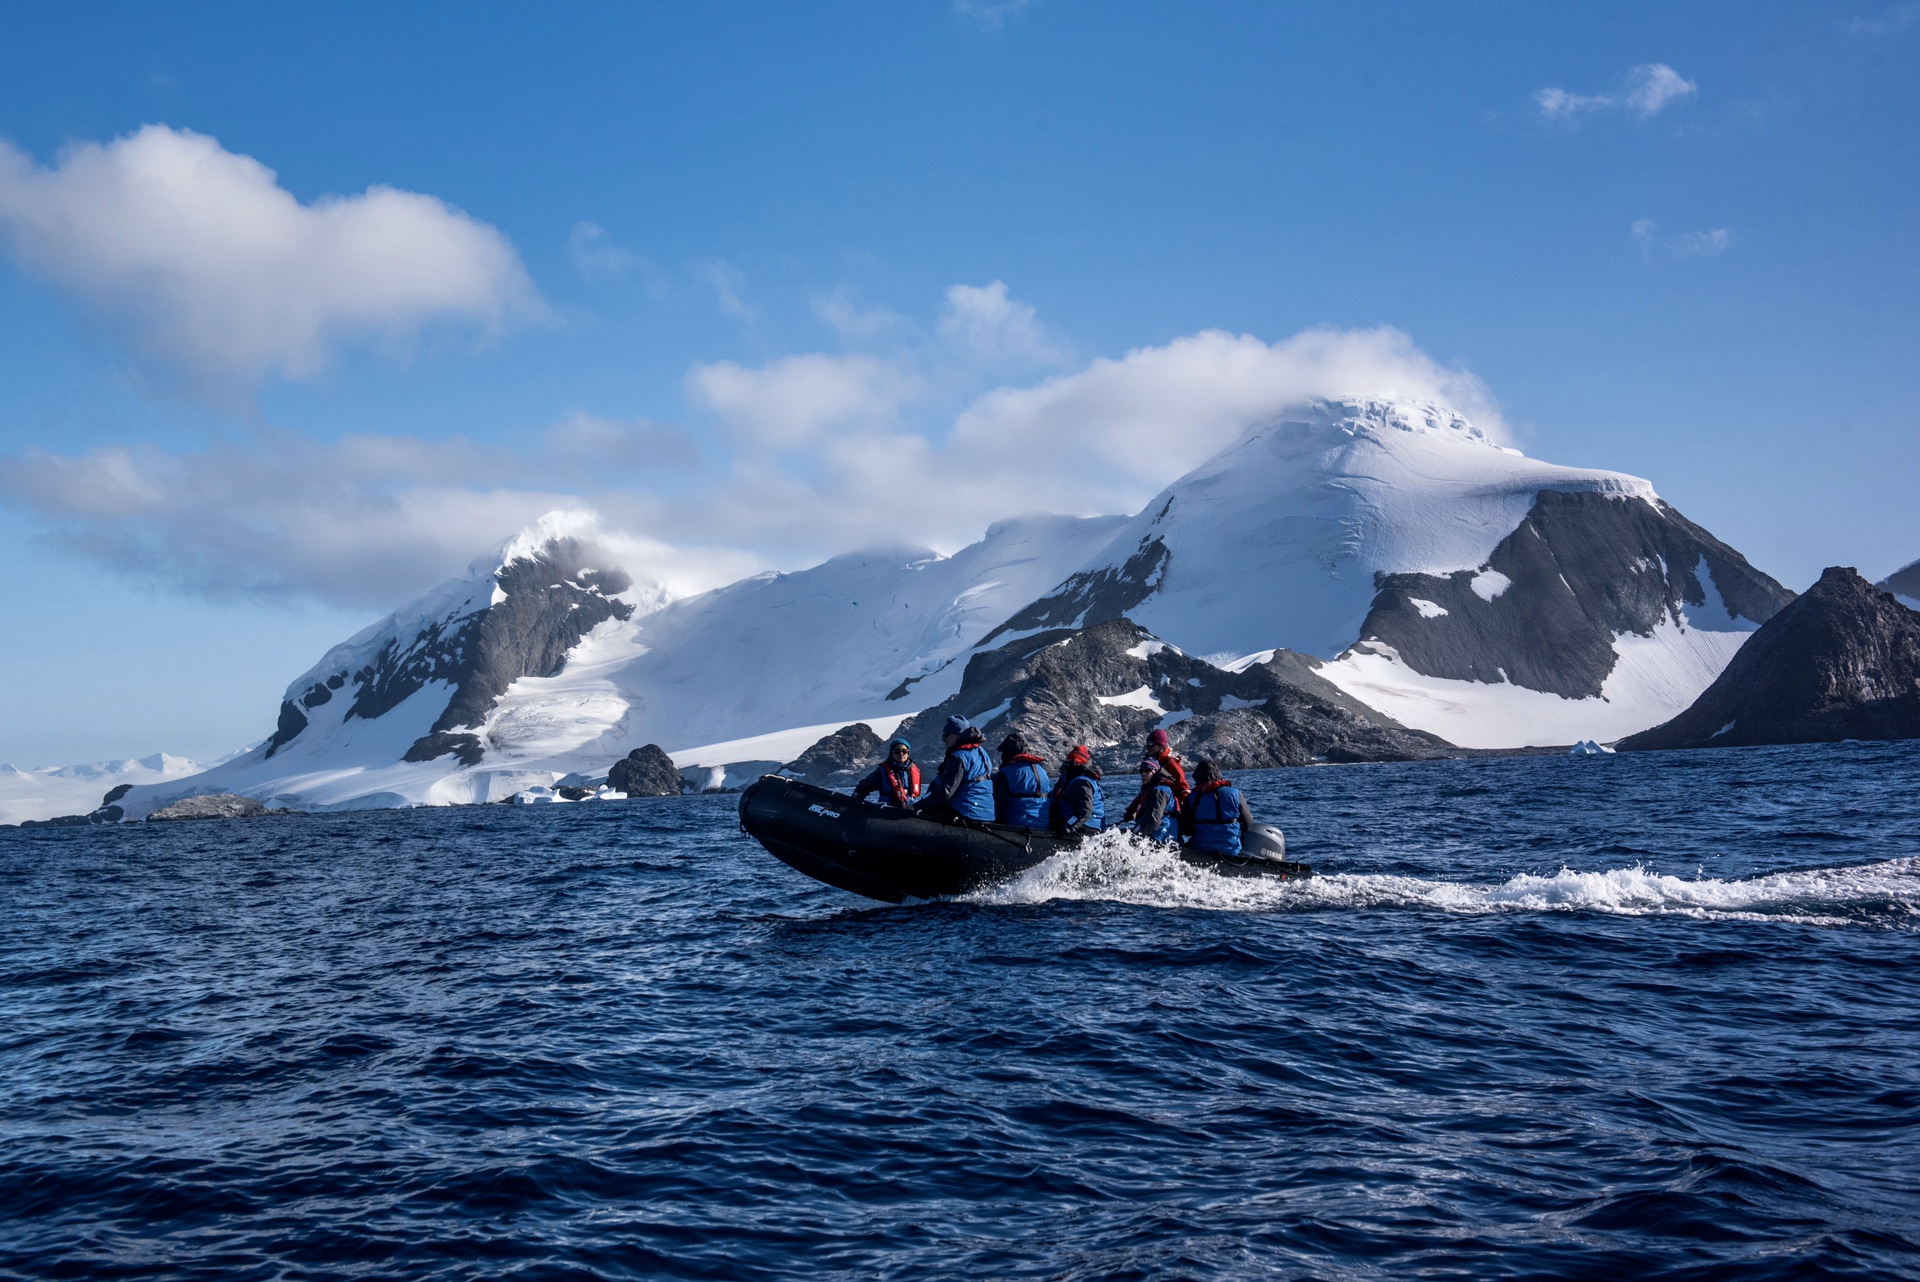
1119	867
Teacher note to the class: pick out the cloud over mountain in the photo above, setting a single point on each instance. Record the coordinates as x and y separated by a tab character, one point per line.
784	463
198	257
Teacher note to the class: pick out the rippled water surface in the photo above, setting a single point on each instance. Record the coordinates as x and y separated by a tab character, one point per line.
1655	1016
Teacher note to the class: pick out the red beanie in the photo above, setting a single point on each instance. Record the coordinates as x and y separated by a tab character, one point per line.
1080	755
1158	739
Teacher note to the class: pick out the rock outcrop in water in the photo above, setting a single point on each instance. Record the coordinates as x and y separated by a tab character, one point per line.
645	772
219	805
1842	662
1108	685
840	759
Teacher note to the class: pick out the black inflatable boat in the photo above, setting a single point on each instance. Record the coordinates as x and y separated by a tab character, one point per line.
890	854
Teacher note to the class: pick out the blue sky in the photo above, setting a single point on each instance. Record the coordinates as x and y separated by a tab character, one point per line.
712	269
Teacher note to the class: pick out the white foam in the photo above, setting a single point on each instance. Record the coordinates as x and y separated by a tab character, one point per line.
1118	867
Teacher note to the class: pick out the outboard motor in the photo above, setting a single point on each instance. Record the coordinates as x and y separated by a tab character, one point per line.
1265	841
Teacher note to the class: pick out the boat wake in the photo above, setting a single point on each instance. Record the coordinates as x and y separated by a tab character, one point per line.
1119	867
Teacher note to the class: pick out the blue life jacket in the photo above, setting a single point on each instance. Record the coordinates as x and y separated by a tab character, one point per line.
1063	813
975	798
1169	829
1216	820
1026	785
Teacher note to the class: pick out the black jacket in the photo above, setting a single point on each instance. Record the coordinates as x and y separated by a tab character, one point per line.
1073	796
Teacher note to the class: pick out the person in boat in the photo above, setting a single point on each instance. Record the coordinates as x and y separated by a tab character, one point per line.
897	779
1020	786
1076	802
1159	765
1156	811
963	787
1216	818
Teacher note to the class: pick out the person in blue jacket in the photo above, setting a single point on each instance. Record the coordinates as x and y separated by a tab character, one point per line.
963	788
1077	803
896	779
1216	816
1156	812
1020	786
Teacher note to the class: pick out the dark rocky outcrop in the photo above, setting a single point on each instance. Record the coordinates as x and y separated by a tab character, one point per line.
292	721
544	605
840	759
1108	685
58	821
1842	662
1581	569
218	805
645	772
1096	596
465	748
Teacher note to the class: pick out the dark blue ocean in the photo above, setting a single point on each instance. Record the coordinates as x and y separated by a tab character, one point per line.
1635	1017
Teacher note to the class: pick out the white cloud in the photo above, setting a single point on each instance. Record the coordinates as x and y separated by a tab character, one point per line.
854	322
981	321
598	258
1701	244
805	456
1653	87
1561	104
1690	244
729	285
992	15
797	401
198	256
1891	22
365	520
840	460
1646	91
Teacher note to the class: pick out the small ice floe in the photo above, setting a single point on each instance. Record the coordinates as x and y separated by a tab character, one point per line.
604	793
1588	748
538	796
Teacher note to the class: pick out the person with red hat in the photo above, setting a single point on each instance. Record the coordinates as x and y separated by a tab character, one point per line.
1159	768
1076	801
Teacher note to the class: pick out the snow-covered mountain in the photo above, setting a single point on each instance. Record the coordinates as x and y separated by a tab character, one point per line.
48	791
548	661
1461	587
1905	584
1409	562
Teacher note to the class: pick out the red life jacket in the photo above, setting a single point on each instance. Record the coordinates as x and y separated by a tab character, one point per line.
904	799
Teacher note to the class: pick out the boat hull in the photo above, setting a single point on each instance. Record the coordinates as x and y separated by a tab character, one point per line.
892	855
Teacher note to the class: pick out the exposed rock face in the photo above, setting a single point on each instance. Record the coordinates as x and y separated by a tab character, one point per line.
839	759
1544	610
1096	596
1842	662
541	606
645	772
1108	685
219	805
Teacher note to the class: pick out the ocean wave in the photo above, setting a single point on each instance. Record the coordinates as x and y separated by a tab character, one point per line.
1118	866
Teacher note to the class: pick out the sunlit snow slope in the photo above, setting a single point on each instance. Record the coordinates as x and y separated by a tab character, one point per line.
1506	601
1435	575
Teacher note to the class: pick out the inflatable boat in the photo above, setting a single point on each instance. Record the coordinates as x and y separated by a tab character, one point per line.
892	855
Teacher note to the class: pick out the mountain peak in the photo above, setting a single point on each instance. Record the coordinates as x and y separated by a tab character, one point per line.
1382	415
